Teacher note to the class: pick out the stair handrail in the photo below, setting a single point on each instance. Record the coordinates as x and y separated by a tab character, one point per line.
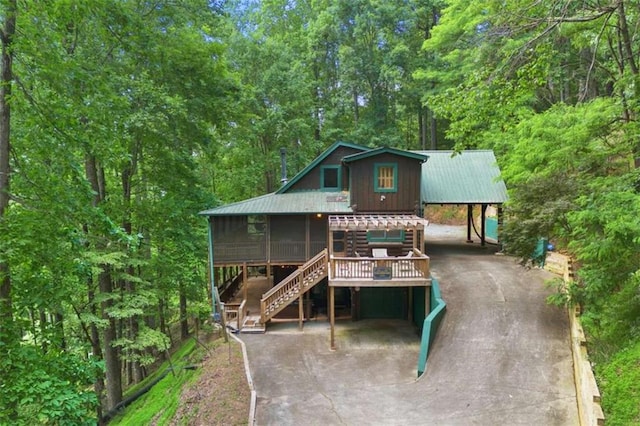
313	260
296	282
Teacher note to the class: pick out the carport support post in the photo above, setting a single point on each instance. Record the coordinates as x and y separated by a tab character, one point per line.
469	222
483	214
332	316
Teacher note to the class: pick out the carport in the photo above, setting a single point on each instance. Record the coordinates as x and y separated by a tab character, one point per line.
470	178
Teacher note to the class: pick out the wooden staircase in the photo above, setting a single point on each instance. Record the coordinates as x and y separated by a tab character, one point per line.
294	286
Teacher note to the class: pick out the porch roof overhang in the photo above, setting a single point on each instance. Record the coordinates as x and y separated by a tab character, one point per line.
376	222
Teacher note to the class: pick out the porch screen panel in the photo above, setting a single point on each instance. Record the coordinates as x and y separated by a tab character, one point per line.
288	238
317	234
239	239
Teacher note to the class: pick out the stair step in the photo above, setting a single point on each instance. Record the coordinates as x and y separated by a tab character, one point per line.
296	284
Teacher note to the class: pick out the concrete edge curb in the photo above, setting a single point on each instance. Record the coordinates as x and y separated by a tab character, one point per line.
247	370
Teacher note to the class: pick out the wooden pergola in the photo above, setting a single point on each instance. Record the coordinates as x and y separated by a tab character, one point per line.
379	270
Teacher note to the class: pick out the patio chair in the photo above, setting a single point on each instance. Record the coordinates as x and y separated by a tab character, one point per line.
379	252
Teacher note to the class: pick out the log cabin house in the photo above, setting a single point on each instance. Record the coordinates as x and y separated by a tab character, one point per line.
346	234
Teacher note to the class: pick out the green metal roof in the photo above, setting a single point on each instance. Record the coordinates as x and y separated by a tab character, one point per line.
384	150
317	161
467	177
289	203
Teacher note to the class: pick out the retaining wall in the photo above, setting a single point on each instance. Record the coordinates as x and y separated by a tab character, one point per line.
587	392
431	323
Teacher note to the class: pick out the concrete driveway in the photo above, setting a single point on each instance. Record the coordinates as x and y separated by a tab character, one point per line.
501	357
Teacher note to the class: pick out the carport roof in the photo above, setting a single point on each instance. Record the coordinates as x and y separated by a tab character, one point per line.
466	177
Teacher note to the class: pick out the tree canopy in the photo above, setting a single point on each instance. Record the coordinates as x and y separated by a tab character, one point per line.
119	121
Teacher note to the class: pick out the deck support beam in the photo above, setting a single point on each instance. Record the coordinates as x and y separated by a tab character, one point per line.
300	311
410	305
332	316
245	281
427	301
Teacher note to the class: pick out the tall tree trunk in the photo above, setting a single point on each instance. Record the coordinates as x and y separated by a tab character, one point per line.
162	319
94	338
111	359
184	320
43	330
6	77
356	107
61	341
423	117
8	332
627	57
127	180
433	129
95	175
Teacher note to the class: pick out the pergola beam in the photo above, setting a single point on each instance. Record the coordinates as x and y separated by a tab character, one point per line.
376	222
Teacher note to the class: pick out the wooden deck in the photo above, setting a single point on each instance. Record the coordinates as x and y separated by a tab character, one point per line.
403	271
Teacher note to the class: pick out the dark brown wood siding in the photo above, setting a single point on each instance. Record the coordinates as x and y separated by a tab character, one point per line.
311	181
363	246
405	199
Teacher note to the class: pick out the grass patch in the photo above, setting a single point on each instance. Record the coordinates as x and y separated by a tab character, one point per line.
161	402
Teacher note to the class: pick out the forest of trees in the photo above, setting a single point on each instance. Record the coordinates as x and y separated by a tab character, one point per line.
121	120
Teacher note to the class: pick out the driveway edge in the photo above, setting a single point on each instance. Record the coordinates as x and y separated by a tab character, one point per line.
254	395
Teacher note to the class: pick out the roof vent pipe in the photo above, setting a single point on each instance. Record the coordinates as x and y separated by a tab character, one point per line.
283	166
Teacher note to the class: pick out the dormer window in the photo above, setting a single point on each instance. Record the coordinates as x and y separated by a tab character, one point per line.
386	177
330	178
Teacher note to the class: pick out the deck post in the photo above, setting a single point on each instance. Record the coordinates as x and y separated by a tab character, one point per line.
245	280
300	311
307	305
268	272
410	303
427	300
212	275
332	316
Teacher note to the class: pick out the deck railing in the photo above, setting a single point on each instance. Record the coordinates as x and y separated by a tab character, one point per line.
373	268
304	278
234	314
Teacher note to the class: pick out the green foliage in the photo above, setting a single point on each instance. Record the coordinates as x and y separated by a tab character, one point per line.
619	384
537	210
146	342
181	106
605	237
550	163
51	388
